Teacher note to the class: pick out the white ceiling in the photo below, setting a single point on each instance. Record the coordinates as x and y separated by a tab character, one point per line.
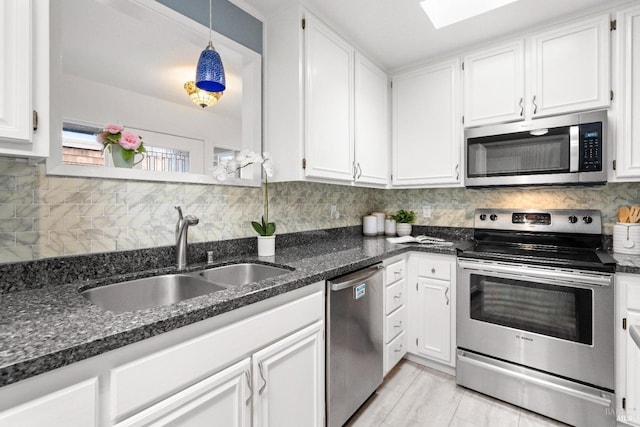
397	33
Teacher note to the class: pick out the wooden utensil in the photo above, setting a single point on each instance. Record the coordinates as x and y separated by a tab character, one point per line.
623	214
634	214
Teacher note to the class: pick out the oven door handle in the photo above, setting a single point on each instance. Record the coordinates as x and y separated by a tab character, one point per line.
468	358
522	271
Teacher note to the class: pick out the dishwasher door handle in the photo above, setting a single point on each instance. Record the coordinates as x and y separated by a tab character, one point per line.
366	274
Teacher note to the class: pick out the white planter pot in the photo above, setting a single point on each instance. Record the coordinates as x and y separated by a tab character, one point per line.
266	245
403	229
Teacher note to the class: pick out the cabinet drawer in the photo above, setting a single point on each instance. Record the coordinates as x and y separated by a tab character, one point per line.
136	385
395	296
435	269
396	271
395	323
396	350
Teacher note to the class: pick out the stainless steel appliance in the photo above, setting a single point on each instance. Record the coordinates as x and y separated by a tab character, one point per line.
535	313
354	342
567	149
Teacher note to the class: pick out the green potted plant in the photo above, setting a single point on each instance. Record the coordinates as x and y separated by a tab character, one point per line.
265	229
404	219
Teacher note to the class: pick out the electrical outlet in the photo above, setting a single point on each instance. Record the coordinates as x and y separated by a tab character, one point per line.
426	211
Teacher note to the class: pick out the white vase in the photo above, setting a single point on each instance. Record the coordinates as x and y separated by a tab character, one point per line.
266	245
403	229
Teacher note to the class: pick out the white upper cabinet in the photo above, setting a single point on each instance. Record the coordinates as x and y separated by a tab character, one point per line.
570	68
325	105
567	71
628	139
371	123
24	78
329	89
426	125
494	85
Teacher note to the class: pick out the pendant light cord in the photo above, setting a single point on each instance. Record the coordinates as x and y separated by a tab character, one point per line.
210	18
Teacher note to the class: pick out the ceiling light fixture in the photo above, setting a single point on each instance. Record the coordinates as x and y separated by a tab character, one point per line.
447	12
201	97
210	71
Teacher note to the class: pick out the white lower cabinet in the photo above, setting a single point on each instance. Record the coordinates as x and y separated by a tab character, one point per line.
74	406
432	280
395	312
288	381
627	363
224	397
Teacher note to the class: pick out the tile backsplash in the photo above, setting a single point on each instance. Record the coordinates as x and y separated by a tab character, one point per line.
46	216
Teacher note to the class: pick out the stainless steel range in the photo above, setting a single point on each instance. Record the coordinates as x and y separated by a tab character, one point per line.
535	313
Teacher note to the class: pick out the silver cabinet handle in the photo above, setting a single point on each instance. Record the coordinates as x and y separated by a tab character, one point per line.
535	106
457	172
247	375
446	291
397	296
359	171
397	273
264	385
355	170
399	349
399	325
521	104
433	271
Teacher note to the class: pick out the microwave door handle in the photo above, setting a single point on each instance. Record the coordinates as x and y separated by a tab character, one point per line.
574	148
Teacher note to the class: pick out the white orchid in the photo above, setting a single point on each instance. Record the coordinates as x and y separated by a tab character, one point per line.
228	168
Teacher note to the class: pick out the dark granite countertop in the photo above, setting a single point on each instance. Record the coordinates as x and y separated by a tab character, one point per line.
51	325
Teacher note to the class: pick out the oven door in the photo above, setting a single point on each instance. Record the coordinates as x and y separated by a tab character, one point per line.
559	321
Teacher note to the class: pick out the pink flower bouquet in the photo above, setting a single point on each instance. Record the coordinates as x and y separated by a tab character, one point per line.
130	142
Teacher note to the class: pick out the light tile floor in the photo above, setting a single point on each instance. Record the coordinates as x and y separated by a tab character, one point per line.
415	396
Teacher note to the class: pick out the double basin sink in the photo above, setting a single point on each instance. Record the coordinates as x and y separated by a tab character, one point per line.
157	291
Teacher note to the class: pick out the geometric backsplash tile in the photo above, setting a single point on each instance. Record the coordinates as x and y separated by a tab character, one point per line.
46	216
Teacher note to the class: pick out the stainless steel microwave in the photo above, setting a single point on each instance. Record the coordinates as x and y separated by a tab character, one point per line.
568	149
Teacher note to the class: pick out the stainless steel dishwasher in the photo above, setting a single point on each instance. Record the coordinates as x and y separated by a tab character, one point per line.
354	343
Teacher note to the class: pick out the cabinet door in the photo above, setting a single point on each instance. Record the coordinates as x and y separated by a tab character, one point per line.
571	68
633	372
15	69
434	319
494	85
426	126
628	141
222	399
288	379
371	118
329	103
74	406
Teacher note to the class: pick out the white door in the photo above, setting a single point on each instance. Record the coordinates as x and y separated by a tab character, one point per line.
288	379
628	141
15	69
633	372
371	123
427	126
571	68
329	103
494	85
434	319
223	399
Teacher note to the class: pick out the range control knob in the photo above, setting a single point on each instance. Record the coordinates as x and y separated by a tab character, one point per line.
483	217
587	219
493	217
573	219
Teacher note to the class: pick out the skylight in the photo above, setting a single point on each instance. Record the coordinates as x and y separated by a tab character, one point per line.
447	12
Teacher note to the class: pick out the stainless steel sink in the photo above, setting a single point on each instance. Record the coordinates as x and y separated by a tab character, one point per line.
149	292
241	274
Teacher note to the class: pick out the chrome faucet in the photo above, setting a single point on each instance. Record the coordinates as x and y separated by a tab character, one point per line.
182	227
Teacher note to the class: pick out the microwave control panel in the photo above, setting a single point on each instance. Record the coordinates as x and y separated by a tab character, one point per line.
590	147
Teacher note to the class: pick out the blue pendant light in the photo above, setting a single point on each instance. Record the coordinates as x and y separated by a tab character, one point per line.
210	71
